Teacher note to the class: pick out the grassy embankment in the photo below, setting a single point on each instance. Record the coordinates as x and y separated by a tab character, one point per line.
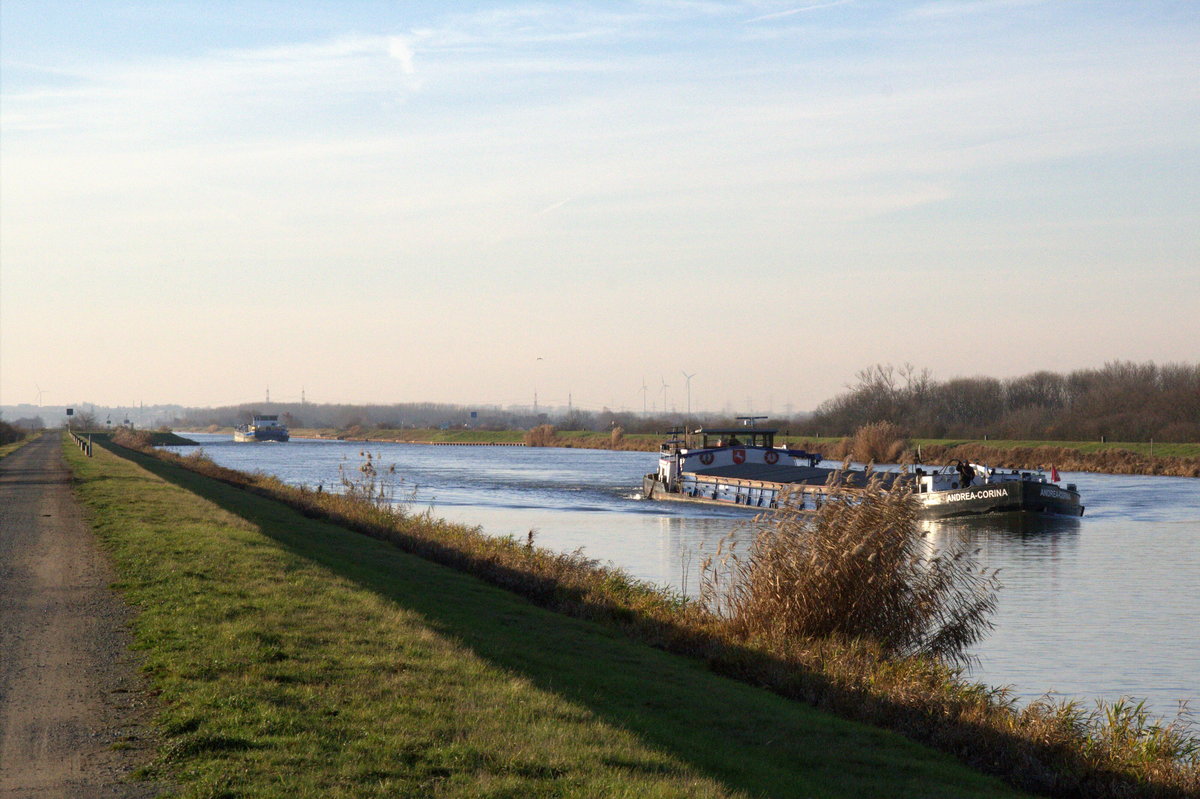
296	658
166	438
1114	750
1084	447
11	447
1178	460
582	439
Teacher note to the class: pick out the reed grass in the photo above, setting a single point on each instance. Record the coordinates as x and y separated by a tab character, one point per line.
906	680
881	442
859	569
544	435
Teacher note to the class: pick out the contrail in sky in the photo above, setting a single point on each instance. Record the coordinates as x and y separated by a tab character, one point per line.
553	207
800	10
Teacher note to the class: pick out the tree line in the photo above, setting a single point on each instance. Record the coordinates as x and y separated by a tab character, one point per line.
425	415
1122	401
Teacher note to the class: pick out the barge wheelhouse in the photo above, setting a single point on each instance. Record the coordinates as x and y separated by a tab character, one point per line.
734	466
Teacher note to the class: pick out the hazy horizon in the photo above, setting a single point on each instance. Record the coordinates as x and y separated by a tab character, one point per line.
389	203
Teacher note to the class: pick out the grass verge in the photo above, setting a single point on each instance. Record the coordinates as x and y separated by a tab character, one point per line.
13	446
296	658
1061	748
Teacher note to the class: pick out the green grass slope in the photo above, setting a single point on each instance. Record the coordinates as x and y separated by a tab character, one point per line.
297	659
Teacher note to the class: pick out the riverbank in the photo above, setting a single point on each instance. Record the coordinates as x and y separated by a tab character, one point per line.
1169	460
298	658
1172	460
926	701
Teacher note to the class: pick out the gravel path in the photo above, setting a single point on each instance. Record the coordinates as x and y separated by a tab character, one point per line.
69	685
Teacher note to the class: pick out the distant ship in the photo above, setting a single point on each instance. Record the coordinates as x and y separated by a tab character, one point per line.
263	428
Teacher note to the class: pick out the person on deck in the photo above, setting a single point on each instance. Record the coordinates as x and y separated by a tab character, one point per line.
967	473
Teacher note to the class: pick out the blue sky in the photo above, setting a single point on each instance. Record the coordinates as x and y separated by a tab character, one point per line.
408	201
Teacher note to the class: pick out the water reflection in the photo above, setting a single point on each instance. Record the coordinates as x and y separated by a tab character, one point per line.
685	543
1014	526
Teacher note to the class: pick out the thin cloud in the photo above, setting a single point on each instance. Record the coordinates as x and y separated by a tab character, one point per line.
399	49
968	7
223	89
801	10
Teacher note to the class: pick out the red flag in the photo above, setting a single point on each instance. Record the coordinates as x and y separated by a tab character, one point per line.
1054	478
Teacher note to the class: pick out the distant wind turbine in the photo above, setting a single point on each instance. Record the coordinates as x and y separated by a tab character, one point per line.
688	378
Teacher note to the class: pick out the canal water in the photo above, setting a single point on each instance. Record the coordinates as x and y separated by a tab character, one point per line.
1099	607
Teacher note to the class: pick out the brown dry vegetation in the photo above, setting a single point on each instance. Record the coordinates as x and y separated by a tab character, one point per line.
133	439
856	571
859	671
543	435
10	434
879	442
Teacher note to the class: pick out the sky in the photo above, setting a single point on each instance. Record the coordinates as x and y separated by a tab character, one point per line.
473	203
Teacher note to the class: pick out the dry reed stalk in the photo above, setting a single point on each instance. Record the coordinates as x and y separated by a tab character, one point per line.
881	442
859	568
541	436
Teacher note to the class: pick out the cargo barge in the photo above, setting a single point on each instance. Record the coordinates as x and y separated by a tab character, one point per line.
743	467
262	428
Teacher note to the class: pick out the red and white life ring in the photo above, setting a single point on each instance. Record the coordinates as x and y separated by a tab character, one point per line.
706	458
771	457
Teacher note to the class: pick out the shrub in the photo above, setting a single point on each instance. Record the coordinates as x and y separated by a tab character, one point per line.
9	433
859	569
541	436
881	442
133	439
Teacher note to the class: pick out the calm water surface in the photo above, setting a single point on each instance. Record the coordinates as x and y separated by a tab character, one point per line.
1103	606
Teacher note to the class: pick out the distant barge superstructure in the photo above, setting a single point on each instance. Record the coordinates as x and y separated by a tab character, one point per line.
262	428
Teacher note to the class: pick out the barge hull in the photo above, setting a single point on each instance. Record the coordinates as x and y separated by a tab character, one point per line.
1023	496
245	437
1020	496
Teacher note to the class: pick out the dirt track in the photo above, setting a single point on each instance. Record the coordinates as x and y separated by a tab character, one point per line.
69	686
